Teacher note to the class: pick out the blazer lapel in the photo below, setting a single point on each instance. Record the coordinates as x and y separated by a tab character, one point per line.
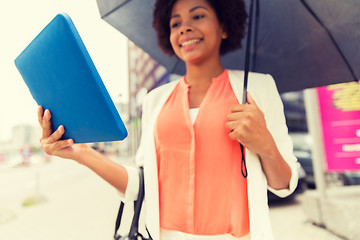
255	175
150	164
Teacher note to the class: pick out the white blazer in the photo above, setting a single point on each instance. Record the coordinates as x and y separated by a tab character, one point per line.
263	90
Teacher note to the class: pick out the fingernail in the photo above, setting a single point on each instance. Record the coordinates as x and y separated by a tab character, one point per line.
70	141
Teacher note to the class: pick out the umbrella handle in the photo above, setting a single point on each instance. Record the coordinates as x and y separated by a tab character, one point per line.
246	74
248	51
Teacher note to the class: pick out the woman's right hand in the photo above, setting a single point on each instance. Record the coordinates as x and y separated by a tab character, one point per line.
51	141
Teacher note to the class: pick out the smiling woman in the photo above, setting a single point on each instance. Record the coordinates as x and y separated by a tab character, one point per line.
194	184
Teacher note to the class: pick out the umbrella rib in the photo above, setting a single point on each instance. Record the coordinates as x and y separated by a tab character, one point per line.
306	5
115	9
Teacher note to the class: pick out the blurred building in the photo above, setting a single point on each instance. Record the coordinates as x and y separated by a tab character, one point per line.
25	135
123	147
145	74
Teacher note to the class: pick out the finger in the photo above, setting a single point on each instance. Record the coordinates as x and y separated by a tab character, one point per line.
236	116
238	108
242	107
56	136
243	124
46	124
40	114
231	125
63	144
234	136
250	100
237	135
51	149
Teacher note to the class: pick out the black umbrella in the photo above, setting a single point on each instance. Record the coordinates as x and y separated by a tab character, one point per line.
302	43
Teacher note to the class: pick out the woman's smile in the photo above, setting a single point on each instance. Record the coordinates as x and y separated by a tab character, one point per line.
190	42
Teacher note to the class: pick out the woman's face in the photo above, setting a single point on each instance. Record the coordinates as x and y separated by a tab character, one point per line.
195	32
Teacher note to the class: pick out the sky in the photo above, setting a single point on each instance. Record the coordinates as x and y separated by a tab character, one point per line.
22	20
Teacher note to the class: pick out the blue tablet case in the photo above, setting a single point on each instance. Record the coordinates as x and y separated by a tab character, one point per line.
61	77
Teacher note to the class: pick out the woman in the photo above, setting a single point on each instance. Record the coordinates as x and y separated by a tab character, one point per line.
192	128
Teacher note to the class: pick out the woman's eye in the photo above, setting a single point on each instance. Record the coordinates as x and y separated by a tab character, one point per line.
174	25
197	17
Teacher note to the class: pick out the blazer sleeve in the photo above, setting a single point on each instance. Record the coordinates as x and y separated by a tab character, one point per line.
276	123
132	189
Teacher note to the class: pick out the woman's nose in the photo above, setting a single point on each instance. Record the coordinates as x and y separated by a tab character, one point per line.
186	28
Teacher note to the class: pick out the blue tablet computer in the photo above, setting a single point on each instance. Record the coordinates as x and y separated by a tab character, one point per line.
61	77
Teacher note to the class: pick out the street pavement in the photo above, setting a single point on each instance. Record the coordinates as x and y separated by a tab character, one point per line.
290	223
77	204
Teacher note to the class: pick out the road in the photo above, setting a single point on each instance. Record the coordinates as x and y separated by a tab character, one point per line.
80	205
289	222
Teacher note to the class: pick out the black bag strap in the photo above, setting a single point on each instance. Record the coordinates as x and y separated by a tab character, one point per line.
118	218
133	233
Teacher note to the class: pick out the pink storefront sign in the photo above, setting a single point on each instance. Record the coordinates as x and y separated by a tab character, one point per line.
339	107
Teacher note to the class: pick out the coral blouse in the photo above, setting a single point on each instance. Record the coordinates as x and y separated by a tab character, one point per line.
201	188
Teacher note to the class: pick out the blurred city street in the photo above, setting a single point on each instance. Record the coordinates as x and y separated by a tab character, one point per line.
77	204
48	198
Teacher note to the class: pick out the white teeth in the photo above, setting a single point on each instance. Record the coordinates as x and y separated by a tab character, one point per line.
187	43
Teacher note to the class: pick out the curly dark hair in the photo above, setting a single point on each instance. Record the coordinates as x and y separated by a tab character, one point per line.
231	14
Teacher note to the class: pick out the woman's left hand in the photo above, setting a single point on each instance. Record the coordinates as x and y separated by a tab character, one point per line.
247	125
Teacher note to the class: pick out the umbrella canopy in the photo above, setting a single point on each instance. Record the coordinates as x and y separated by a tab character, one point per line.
301	43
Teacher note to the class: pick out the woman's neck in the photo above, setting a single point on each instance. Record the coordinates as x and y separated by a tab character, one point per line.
201	74
199	77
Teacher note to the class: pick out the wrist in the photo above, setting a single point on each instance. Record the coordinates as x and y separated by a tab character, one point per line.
269	150
83	153
268	155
